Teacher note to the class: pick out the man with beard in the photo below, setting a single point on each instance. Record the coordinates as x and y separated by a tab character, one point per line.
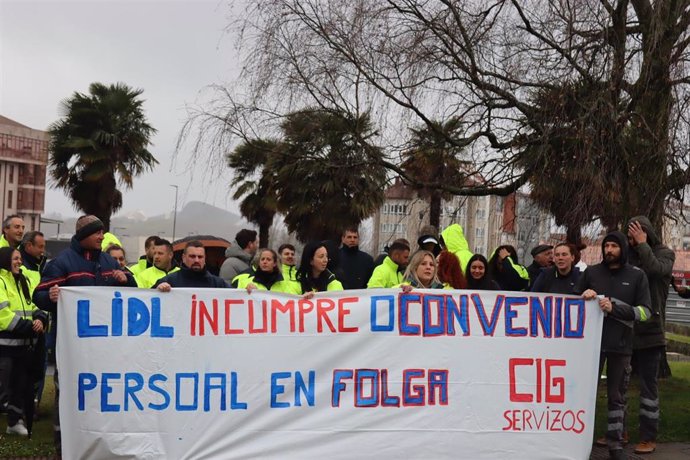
163	264
390	272
193	271
357	265
649	340
623	292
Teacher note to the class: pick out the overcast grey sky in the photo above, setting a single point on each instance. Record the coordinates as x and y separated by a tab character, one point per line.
170	49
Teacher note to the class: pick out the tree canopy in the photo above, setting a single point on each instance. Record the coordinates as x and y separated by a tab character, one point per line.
506	70
101	141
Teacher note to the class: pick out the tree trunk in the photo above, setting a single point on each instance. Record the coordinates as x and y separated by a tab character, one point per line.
263	235
574	235
435	210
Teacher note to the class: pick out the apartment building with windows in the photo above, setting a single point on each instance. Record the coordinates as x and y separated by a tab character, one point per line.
404	214
23	165
487	221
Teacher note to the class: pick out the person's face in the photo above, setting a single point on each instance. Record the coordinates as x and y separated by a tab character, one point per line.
544	258
563	259
253	246
266	261
612	252
119	256
288	256
16	262
425	270
477	270
15	231
194	258
162	256
93	241
350	239
320	260
401	257
149	250
37	248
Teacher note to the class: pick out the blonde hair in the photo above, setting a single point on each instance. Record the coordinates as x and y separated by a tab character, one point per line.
415	261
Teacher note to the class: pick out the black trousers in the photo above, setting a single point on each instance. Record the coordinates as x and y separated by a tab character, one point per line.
617	380
14	379
647	365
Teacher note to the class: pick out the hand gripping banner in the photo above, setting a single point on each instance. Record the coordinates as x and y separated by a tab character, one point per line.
219	373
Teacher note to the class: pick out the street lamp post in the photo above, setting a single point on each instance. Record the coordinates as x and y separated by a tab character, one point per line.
175	214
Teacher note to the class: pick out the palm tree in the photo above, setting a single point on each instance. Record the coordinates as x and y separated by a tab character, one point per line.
326	177
433	158
251	162
102	135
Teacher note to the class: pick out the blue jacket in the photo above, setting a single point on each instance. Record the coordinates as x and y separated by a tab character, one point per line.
76	266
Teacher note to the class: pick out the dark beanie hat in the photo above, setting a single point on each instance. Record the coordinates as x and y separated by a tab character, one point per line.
87	226
541	248
621	240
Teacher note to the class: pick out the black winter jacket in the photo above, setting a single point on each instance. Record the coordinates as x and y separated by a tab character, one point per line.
628	289
186	278
357	267
551	281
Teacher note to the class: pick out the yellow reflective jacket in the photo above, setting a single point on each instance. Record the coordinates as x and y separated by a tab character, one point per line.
455	242
386	275
16	312
147	278
281	285
108	240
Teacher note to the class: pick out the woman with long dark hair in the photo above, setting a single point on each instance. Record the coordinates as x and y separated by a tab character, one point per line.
20	322
505	269
313	274
477	274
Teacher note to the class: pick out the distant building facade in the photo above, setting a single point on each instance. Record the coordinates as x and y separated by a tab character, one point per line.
23	165
487	221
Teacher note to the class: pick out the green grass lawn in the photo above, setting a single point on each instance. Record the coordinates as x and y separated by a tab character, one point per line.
678	337
674	397
674	422
41	442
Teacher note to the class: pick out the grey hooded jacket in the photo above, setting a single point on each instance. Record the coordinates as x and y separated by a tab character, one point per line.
656	260
235	263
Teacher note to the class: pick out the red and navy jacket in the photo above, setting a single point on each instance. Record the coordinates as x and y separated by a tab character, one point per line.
76	266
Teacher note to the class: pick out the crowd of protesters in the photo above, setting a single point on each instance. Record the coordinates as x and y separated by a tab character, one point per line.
630	284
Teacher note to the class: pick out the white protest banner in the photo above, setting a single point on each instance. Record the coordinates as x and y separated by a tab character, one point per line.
218	373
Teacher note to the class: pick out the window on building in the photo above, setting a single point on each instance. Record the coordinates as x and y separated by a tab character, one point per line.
9	199
395	209
392	228
11	178
481	214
